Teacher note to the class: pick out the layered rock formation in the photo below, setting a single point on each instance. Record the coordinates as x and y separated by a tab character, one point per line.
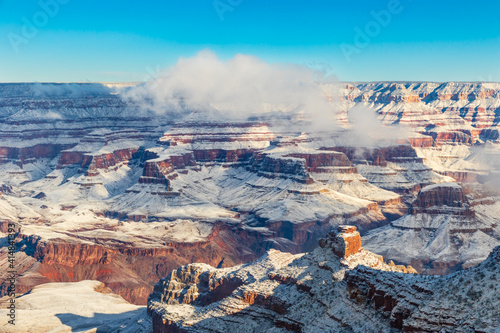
459	106
445	198
86	176
129	261
322	291
446	230
446	118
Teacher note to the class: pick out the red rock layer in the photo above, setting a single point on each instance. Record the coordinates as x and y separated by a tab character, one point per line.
22	156
129	271
276	166
422	142
344	242
445	199
319	161
460	137
460	176
379	156
107	161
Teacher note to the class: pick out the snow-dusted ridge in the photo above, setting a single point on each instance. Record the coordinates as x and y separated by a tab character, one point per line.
323	291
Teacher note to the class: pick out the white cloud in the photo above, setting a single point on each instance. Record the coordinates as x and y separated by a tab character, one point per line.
368	131
236	89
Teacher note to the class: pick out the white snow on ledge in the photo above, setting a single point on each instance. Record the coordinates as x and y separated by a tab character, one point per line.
434	186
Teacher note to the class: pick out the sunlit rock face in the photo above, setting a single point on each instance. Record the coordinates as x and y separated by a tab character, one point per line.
345	242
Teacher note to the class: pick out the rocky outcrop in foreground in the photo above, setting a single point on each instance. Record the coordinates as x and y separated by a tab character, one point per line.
338	287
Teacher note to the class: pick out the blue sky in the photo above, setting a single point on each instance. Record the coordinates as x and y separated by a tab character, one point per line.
112	40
